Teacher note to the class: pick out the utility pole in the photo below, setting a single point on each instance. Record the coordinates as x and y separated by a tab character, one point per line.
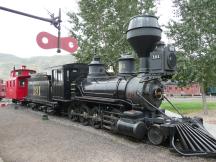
55	21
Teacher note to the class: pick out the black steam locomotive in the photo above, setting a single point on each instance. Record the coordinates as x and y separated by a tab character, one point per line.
127	103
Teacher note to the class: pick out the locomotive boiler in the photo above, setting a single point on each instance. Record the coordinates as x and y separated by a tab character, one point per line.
128	103
144	36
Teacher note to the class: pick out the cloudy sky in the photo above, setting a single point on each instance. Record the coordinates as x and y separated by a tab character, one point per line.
18	33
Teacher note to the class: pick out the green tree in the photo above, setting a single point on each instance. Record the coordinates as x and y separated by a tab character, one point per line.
194	34
101	25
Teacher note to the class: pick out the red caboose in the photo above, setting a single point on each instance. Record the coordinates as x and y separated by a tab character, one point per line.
17	85
2	89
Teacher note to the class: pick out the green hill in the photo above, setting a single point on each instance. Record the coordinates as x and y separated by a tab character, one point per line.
8	61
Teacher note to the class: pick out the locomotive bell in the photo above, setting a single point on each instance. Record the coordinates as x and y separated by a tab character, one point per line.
143	33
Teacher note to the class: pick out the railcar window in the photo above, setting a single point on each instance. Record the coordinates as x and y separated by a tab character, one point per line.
31	72
55	75
22	83
60	78
18	73
10	83
75	70
68	75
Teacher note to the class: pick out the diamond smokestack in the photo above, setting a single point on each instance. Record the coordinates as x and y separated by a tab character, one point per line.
143	33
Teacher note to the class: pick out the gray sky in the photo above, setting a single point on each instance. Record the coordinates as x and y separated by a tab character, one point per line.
18	33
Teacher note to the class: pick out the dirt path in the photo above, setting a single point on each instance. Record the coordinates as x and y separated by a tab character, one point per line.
25	137
209	118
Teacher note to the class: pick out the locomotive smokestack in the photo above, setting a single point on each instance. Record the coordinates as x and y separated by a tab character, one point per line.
143	33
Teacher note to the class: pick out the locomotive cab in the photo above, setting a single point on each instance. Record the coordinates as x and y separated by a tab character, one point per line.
63	78
56	87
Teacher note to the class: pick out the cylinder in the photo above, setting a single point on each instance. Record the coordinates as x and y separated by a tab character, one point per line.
128	127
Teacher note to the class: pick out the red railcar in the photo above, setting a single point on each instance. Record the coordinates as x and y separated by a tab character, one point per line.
17	85
2	89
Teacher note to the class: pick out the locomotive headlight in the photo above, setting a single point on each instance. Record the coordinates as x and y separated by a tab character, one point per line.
171	48
158	93
171	60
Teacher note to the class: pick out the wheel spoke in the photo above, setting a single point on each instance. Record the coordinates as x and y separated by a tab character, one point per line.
73	116
96	118
84	111
155	135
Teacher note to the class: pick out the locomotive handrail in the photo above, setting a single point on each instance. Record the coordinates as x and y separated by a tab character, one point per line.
156	108
177	110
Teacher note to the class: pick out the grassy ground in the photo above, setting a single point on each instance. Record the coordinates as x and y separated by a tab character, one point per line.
188	107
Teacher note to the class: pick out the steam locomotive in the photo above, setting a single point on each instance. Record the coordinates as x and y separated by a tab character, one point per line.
127	103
